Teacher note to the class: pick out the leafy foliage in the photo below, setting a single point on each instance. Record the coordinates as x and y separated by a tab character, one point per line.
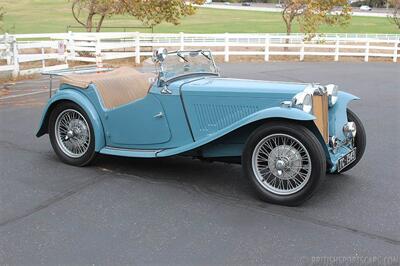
311	14
2	13
395	16
150	12
153	12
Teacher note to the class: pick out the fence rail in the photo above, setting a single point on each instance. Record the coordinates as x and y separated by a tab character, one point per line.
30	53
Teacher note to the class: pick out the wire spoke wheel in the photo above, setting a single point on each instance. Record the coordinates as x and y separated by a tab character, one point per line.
72	133
281	164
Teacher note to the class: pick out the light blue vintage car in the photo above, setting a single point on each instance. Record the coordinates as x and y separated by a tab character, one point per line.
285	135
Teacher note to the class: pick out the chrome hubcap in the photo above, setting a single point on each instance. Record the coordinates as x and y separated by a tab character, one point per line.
281	164
72	133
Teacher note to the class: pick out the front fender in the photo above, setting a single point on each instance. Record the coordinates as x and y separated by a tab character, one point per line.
338	114
275	112
81	100
278	112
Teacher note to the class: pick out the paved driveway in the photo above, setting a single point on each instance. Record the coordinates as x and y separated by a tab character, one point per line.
180	211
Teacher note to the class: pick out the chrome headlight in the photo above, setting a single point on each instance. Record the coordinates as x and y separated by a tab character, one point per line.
303	100
332	91
350	129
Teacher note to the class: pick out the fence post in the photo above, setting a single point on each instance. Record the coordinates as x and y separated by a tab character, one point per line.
266	51
43	60
226	50
182	41
99	59
15	58
302	50
8	50
62	51
366	52
395	52
137	47
337	48
71	43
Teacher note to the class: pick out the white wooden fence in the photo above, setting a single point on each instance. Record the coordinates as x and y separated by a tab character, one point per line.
30	53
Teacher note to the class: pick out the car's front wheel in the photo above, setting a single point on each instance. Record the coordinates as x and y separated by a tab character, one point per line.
285	163
71	134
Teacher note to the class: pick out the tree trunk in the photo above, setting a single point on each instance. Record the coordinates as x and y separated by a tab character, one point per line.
100	23
288	23
89	22
76	16
287	17
289	29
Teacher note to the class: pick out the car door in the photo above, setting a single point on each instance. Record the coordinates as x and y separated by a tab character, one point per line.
141	122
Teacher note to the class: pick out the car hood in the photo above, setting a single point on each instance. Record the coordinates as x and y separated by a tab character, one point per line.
241	87
212	104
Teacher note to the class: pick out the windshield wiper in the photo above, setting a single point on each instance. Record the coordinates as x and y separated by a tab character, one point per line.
206	56
183	58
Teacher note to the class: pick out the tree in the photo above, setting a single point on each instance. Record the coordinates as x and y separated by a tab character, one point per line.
395	16
311	14
153	12
95	8
2	13
150	12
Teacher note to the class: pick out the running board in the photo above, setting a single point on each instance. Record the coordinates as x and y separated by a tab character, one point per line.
130	152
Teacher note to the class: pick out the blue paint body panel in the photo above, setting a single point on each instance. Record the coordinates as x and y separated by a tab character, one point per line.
257	88
214	104
338	114
211	116
289	113
77	96
142	122
337	119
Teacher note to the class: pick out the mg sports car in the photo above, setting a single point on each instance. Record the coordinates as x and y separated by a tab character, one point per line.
287	136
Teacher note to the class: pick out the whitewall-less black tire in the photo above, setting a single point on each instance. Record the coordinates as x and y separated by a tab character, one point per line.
284	162
71	134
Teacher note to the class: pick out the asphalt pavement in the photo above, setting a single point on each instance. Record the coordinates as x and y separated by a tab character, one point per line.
179	211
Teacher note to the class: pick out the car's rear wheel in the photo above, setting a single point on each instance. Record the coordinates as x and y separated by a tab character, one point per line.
284	162
360	140
71	134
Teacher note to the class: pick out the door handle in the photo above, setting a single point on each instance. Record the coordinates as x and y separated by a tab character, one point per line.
159	115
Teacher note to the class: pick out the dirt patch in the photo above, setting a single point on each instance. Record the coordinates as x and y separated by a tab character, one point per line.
4	91
8	78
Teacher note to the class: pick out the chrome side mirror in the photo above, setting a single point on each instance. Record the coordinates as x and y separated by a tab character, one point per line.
159	55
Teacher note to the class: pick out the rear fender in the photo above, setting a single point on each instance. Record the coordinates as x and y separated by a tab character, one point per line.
80	99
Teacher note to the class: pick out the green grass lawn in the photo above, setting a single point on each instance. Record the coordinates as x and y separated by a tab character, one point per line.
46	16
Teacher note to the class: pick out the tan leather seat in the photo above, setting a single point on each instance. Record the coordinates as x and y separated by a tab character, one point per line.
116	87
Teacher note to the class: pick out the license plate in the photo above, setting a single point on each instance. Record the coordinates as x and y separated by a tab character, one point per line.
347	159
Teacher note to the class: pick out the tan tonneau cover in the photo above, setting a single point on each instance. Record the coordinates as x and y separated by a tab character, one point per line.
116	87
